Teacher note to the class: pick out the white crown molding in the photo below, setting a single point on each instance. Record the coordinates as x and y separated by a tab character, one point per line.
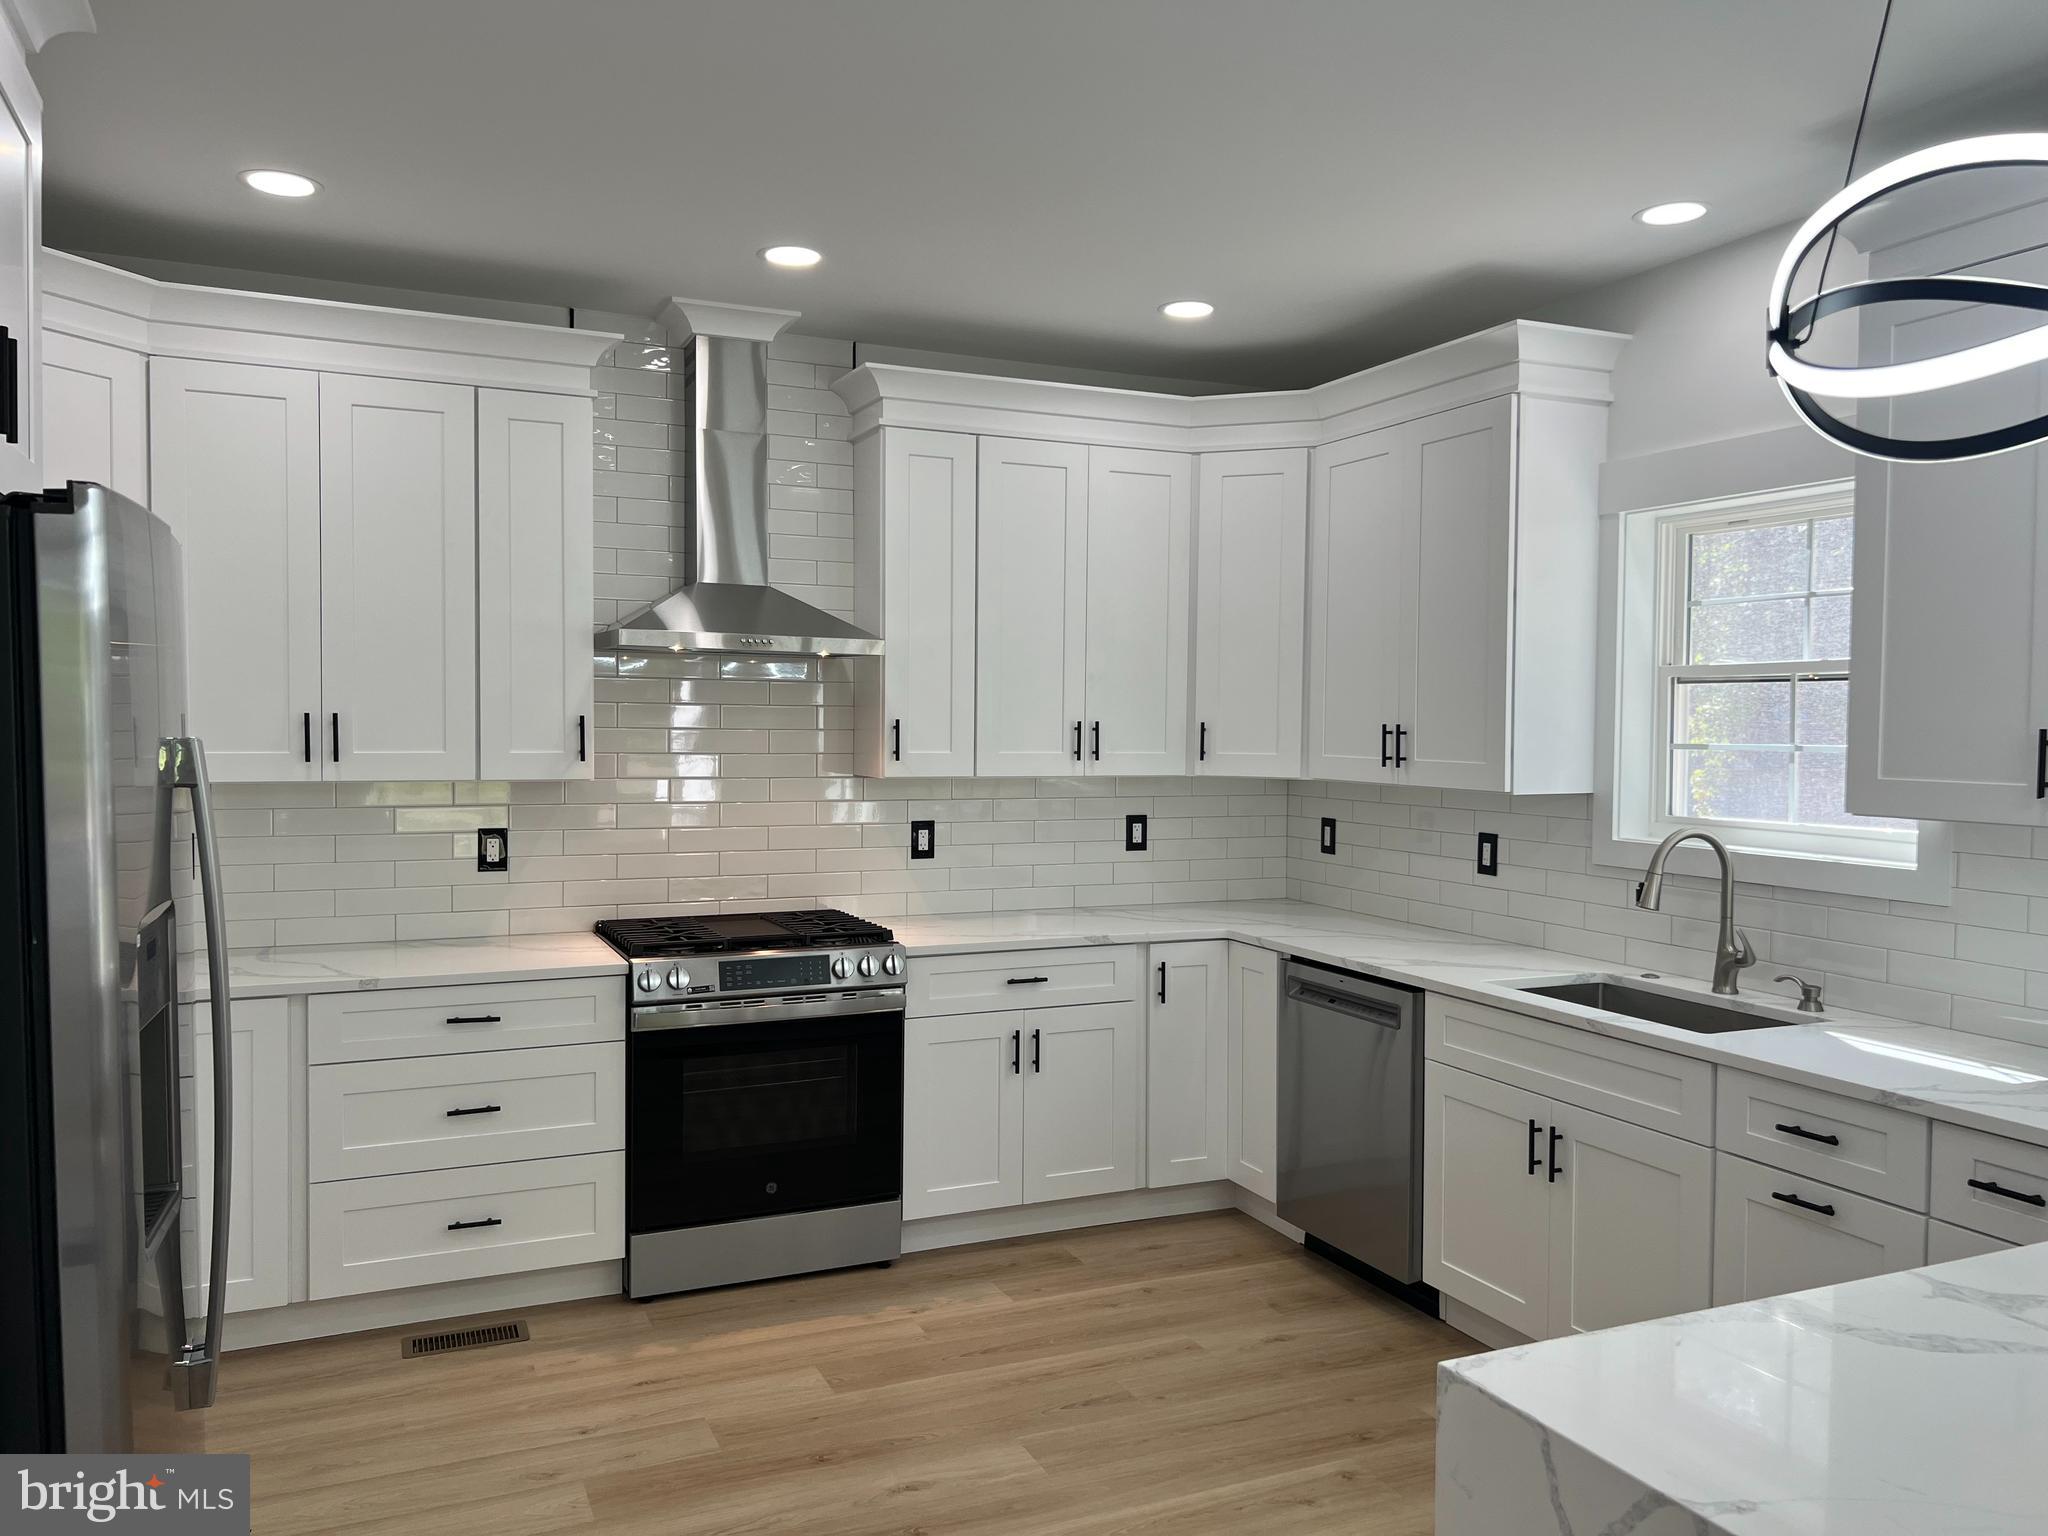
35	22
102	303
701	317
1523	356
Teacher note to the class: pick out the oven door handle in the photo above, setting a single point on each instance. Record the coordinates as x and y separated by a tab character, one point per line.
765	1010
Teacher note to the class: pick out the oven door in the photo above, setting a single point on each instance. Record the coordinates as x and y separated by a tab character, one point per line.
763	1108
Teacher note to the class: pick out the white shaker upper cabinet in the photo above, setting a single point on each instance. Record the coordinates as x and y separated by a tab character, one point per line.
915	565
398	557
21	244
1139	519
235	471
95	415
1031	620
1361	524
534	558
1948	708
1251	573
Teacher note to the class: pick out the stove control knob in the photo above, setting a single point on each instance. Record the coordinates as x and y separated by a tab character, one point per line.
892	963
649	980
841	967
678	978
867	965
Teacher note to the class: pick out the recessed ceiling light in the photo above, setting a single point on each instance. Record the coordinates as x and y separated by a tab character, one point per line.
791	256
1671	213
281	183
1187	309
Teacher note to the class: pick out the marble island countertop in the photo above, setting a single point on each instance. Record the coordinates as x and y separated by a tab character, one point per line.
1913	1404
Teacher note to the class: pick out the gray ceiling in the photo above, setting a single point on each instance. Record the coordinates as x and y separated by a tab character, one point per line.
1344	179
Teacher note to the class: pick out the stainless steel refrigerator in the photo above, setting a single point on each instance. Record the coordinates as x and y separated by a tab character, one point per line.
105	821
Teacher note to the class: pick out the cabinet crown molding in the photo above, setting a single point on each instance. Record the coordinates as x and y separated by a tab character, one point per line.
702	317
1529	357
144	314
35	22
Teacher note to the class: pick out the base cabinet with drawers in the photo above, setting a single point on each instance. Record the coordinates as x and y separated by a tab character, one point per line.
1776	1232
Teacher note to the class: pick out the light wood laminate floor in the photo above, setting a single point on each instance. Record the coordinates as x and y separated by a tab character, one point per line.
1189	1375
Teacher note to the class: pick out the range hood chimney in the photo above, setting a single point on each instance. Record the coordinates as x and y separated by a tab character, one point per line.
725	603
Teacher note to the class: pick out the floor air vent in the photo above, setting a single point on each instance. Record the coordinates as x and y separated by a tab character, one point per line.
420	1345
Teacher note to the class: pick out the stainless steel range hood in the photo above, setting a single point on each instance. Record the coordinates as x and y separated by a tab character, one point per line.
725	603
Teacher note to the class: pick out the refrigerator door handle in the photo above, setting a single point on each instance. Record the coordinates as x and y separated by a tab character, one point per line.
194	1367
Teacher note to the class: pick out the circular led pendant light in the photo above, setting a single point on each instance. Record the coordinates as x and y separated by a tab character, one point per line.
1790	326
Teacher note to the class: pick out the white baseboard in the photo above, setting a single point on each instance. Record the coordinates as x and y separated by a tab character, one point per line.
1260	1209
421	1304
1477	1325
1064	1215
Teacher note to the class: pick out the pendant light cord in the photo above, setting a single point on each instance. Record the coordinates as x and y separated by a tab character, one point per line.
1855	144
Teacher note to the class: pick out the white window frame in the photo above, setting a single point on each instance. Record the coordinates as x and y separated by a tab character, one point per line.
1645	613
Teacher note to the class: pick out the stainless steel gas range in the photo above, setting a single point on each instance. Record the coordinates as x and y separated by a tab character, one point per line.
764	1096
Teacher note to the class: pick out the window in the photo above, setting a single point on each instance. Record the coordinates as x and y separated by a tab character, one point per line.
1732	690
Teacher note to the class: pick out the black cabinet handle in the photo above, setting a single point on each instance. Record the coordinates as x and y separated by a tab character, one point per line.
464	1226
1804	1205
1034	1050
1386	756
10	385
582	738
1820	1136
1077	741
896	740
306	735
1023	981
1202	752
1400	753
2041	765
1555	1137
1095	741
1535	1161
1162	981
481	1109
473	1018
334	724
1991	1187
1016	1050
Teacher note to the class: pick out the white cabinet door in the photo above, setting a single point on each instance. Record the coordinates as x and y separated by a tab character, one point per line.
21	242
95	415
1031	621
398	578
1361	523
1140	514
1083	1099
1486	1202
1253	1044
1631	1222
1187	1064
533	582
1778	1232
1458	598
923	723
1949	643
235	471
963	1113
1251	574
259	1193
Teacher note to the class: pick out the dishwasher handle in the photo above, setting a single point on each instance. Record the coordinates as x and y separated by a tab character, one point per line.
1385	1015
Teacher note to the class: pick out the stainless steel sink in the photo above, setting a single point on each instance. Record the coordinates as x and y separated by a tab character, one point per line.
1680	1011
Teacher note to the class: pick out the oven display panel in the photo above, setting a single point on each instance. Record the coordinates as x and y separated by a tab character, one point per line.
780	971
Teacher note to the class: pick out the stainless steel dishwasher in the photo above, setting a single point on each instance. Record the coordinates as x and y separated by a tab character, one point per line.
1350	1078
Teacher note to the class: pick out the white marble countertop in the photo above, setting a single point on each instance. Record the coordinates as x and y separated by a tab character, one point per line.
1913	1404
417	963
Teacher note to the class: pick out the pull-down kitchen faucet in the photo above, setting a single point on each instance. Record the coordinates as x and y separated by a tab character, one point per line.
1731	949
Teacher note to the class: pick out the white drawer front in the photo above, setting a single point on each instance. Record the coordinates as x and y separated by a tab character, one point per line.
1965	1161
375	1117
1023	978
1637	1083
465	1223
432	1021
1869	1148
1945	1242
1777	1232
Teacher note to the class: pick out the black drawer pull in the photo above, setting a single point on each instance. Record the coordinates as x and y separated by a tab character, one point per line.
464	1226
1991	1187
481	1109
1162	981
474	1018
1025	981
1016	1050
1804	1205
1535	1162
1803	1132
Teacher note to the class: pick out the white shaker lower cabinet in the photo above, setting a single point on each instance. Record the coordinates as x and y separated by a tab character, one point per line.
1946	1242
259	1194
963	1113
1485	1209
1252	1146
533	582
1084	1100
1187	1064
1777	1232
1251	573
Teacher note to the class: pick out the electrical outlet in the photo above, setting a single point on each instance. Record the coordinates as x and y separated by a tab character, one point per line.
924	839
1489	853
493	849
1135	834
1329	835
